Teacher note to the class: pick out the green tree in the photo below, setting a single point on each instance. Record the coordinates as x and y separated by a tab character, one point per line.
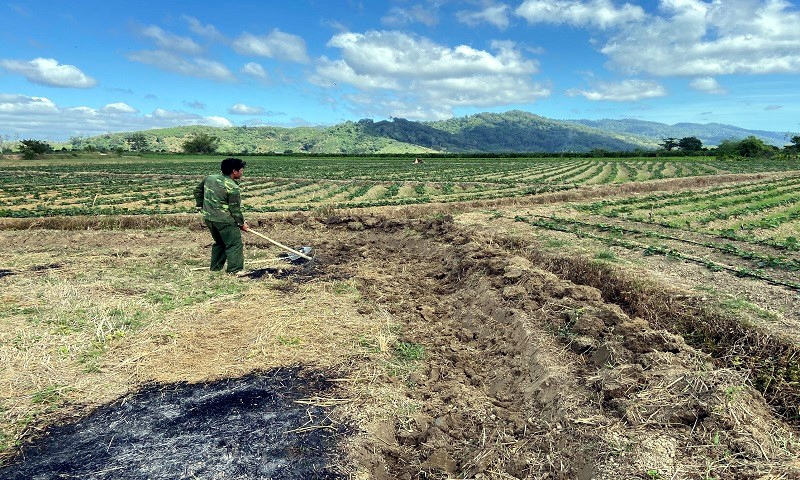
33	148
795	146
753	147
138	142
669	143
76	143
727	148
201	143
690	144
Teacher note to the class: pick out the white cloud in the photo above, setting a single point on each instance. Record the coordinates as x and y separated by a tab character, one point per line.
242	109
206	31
496	15
479	91
196	67
400	17
334	72
624	91
168	114
383	105
708	85
397	72
41	118
161	117
118	108
277	44
12	104
170	41
599	13
213	121
254	69
47	71
399	55
695	38
723	37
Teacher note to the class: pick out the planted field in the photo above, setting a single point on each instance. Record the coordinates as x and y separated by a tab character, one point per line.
161	186
749	228
606	327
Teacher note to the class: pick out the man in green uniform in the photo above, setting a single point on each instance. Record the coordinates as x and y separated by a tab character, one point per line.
218	197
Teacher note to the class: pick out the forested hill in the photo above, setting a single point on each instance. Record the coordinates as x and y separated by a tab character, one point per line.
514	132
709	133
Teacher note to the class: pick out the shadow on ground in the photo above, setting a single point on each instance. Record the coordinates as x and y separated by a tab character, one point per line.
245	428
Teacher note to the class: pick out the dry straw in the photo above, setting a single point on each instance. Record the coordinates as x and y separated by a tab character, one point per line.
119	309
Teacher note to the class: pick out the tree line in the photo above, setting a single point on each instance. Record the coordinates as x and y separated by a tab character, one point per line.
750	147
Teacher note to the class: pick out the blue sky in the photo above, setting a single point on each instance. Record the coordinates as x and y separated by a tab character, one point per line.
82	68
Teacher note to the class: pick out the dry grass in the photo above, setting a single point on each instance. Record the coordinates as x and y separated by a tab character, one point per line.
87	317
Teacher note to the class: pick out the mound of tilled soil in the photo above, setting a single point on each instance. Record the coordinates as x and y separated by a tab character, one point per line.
246	428
528	375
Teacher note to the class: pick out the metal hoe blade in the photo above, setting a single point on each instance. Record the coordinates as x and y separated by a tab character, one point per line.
295	258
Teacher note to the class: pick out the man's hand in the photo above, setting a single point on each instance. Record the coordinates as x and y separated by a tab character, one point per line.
244	227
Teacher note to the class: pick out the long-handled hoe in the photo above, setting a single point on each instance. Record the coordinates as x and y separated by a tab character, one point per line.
294	254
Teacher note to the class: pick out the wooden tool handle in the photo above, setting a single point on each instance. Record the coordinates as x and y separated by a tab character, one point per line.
279	244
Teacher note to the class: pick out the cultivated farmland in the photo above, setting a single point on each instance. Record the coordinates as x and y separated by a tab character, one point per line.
156	186
468	318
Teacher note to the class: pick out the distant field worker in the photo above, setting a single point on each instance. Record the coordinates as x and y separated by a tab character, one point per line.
219	198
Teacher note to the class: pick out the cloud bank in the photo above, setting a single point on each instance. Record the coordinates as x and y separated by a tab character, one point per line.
401	74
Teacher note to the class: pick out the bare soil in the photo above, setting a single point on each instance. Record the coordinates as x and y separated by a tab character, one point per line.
535	376
771	305
536	364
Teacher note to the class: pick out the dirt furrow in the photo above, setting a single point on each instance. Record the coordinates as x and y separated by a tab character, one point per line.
534	376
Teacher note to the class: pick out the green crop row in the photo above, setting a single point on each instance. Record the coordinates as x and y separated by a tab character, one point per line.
646	249
762	260
663	200
152	183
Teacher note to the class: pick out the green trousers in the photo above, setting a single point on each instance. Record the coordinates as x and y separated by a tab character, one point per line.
227	246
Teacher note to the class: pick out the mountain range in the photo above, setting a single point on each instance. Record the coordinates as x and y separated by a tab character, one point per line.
511	132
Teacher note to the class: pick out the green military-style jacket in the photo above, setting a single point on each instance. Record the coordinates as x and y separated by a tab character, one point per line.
220	198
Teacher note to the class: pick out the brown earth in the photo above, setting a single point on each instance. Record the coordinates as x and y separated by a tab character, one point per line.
530	375
536	364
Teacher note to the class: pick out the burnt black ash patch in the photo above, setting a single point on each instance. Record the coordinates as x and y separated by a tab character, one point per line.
246	428
297	273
